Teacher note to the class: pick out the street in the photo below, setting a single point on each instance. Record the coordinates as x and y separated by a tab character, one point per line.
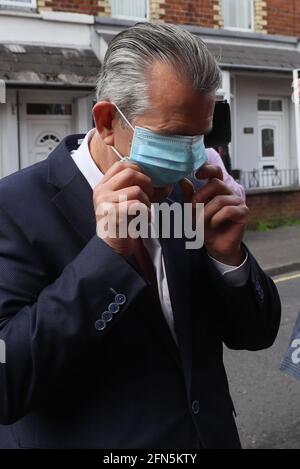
267	401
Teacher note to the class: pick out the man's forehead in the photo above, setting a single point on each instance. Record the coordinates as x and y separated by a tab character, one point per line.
175	107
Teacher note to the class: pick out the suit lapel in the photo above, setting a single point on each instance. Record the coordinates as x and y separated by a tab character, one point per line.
75	196
75	201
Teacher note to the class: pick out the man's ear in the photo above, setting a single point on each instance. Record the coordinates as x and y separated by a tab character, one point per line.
104	113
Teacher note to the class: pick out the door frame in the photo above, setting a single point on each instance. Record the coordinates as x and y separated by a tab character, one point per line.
285	158
41	96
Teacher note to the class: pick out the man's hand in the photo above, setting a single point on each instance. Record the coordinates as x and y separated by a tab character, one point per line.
225	216
124	179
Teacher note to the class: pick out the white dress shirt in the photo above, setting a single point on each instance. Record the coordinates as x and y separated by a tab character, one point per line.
234	276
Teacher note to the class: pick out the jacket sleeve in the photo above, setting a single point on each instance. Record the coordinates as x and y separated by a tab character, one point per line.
250	315
49	328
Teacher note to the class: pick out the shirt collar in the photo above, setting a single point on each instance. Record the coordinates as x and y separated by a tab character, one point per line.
85	163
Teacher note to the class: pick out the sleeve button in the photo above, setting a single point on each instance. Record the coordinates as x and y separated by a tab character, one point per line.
195	407
100	325
106	316
113	308
120	299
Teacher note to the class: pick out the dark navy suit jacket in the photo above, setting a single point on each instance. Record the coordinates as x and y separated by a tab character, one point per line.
66	384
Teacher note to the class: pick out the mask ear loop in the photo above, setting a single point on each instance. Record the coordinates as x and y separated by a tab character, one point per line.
124	117
122	158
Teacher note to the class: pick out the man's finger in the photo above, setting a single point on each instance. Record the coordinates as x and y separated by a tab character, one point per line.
237	215
218	202
132	193
130	177
213	188
209	171
117	167
187	189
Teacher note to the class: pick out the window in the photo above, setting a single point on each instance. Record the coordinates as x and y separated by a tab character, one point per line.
18	3
270	105
130	9
238	14
49	109
267	141
48	139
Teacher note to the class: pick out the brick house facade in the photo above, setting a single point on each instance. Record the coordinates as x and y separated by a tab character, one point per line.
270	16
257	46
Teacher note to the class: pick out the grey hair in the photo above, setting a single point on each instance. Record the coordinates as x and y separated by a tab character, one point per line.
130	54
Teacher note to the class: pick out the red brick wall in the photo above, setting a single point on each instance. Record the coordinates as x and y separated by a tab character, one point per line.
283	17
195	12
89	7
273	206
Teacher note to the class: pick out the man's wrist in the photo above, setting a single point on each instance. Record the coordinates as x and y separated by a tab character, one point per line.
234	258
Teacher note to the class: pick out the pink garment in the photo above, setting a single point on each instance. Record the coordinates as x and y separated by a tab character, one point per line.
214	158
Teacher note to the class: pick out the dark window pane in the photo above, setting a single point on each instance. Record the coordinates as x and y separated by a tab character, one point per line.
276	105
263	105
270	105
267	138
49	109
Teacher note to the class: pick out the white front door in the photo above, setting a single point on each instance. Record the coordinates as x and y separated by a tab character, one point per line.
273	143
43	126
42	138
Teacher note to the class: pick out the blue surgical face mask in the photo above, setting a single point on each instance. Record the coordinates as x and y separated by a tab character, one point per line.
166	159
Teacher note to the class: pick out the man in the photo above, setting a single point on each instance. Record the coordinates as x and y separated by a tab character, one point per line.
106	345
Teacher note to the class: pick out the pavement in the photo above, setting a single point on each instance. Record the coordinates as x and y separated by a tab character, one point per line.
267	401
277	251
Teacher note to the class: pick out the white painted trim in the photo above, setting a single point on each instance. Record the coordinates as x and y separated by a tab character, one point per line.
15	3
225	90
9	143
67	17
57	16
2	92
242	30
247	43
297	119
287	124
130	18
20	29
234	126
26	14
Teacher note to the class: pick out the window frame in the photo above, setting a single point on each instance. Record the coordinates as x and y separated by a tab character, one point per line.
273	98
236	28
29	4
134	18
